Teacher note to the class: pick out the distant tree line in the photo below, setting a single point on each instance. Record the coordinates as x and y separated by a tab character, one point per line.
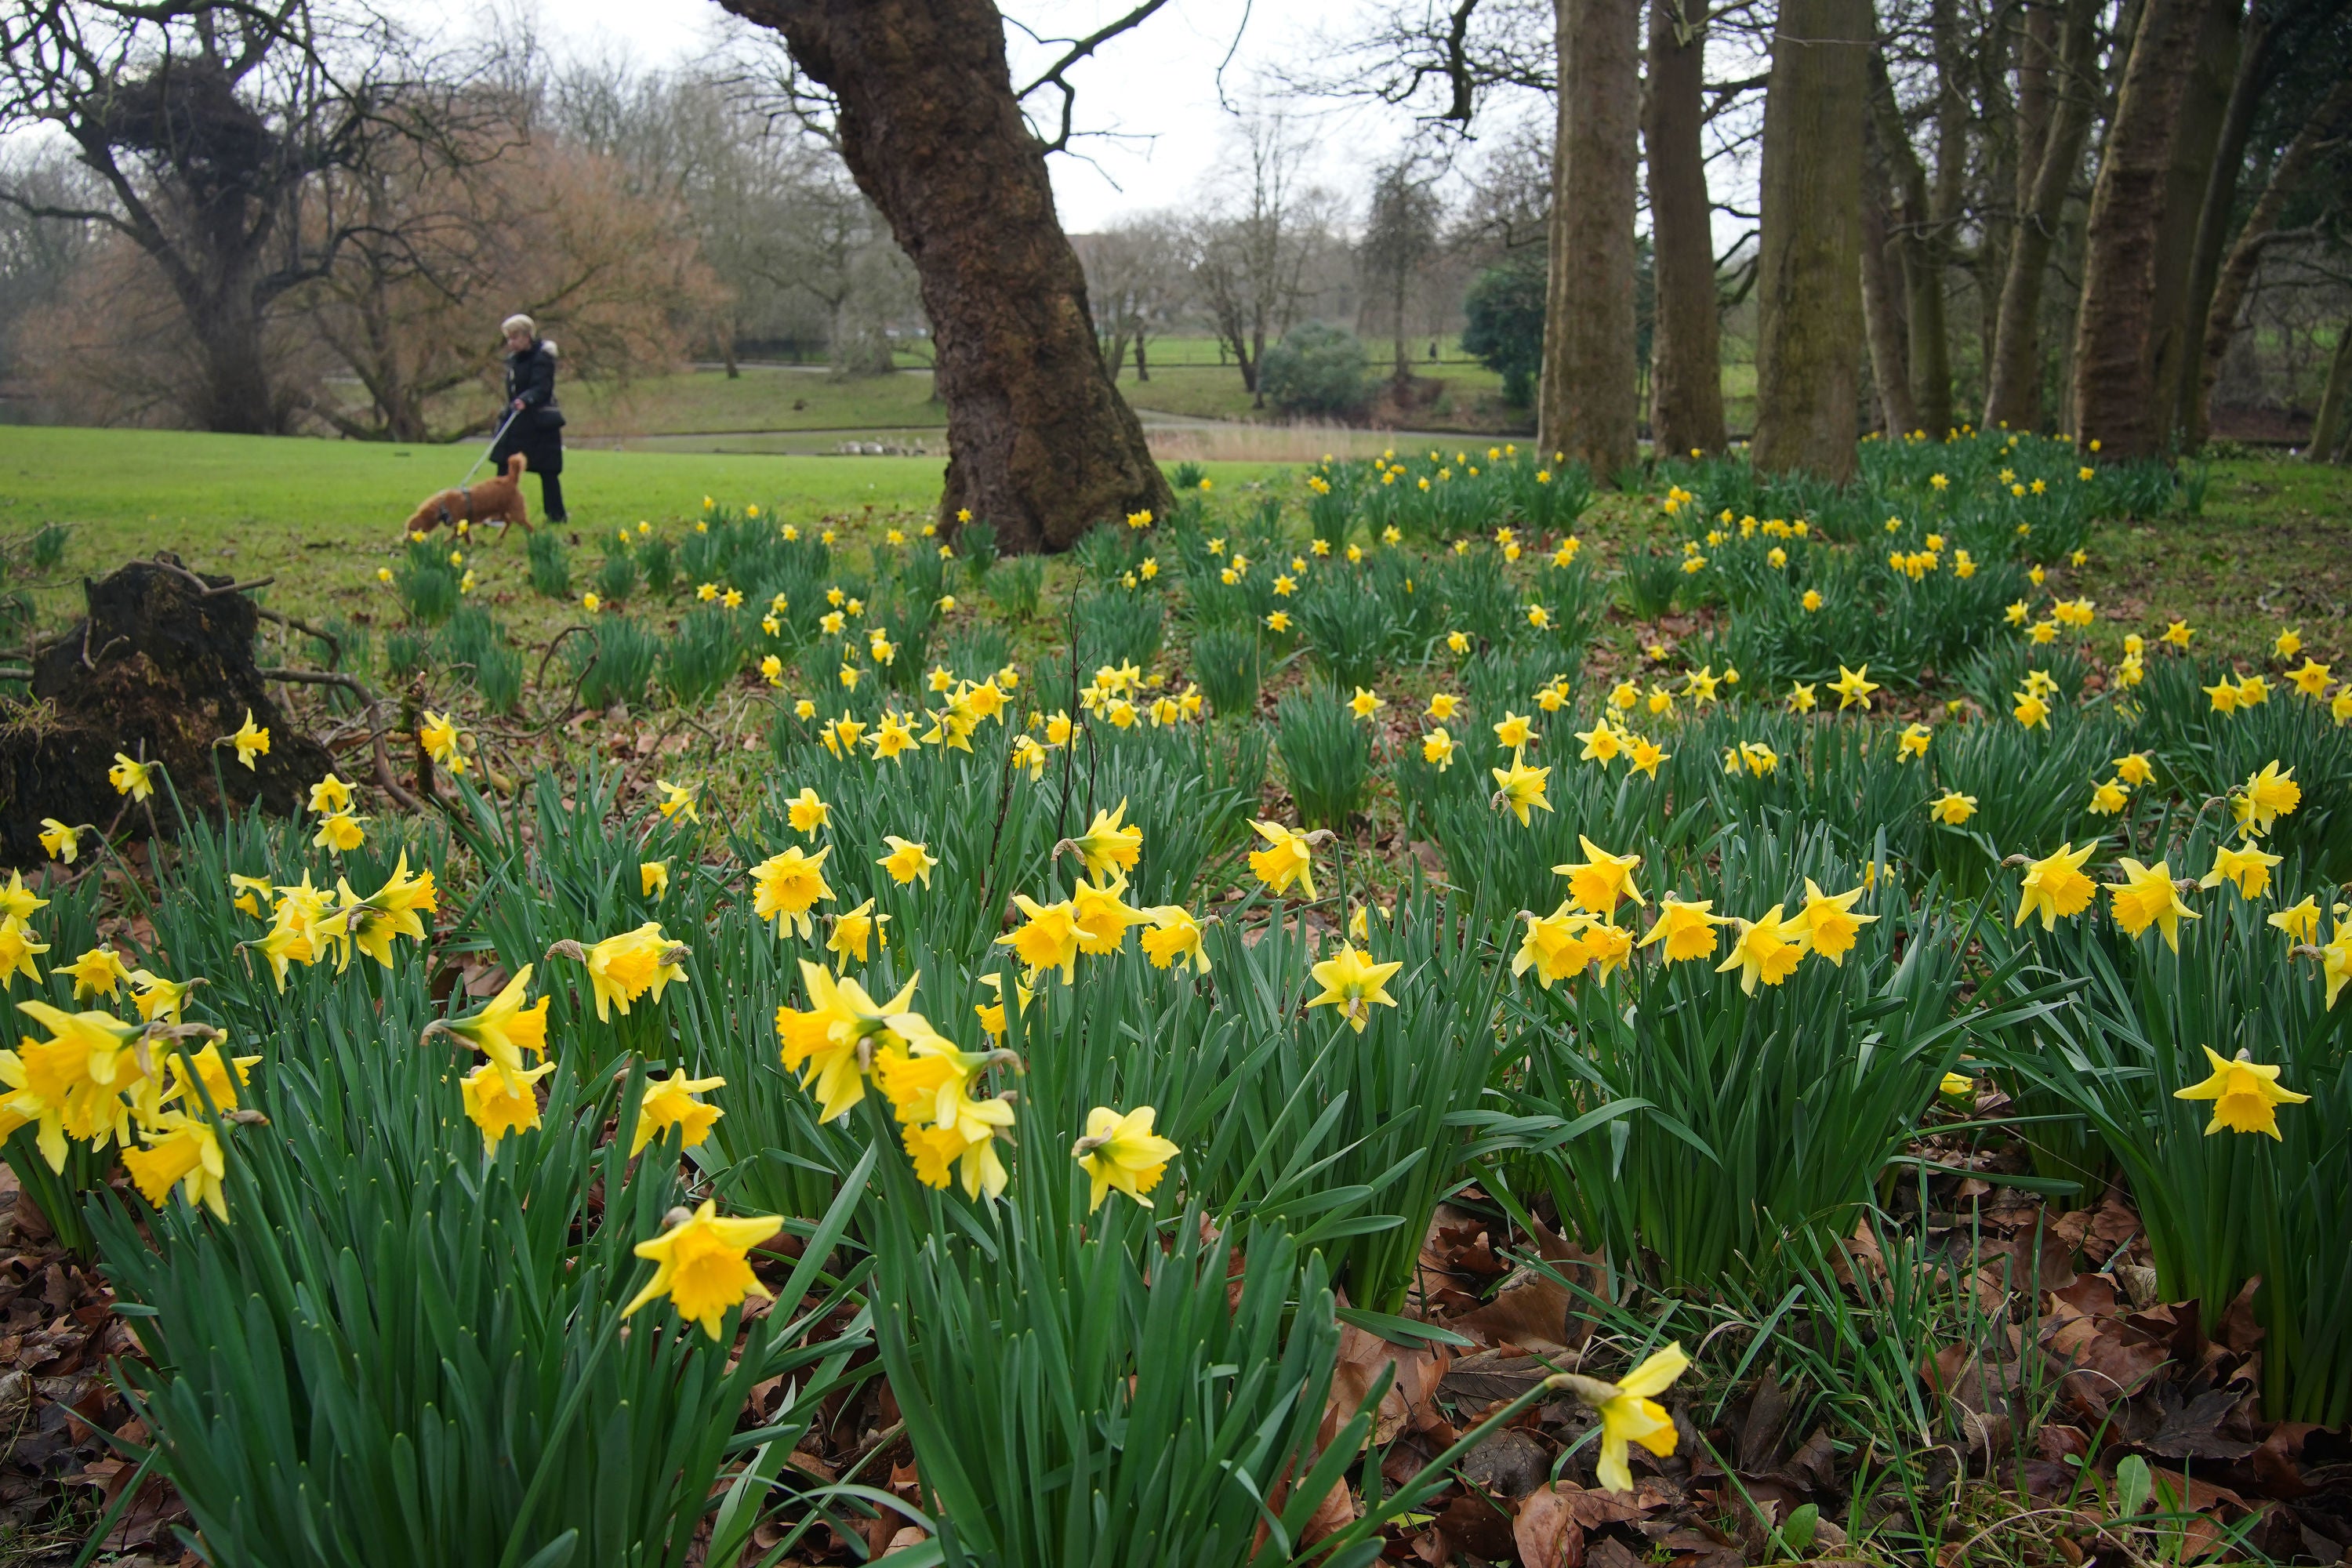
2089	215
304	219
2102	216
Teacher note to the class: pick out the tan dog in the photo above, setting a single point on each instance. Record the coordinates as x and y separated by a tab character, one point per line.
494	499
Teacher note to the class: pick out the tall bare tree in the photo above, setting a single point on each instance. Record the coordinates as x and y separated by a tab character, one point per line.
1137	272
1918	231
1809	284
1400	239
2329	124
1251	258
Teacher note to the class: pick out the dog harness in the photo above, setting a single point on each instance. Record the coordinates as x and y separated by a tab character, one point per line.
466	492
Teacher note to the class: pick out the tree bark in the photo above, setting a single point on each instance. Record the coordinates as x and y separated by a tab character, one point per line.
2237	274
1687	343
2014	379
2014	372
2036	65
2115	332
2197	127
1809	284
2327	429
1590	398
1882	308
1916	240
2213	217
1040	443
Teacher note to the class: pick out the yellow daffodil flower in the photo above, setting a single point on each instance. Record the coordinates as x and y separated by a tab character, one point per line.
1519	788
1767	948
1352	983
2299	921
1629	1413
250	739
1597	883
1107	845
2147	896
2055	886
1122	1151
1853	687
1686	929
506	1027
1288	857
2265	796
623	968
2246	1094
700	1265
786	887
1174	939
907	860
669	1102
135	779
1829	921
181	1151
2248	868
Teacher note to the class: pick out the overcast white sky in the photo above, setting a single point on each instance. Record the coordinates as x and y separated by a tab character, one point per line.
1154	90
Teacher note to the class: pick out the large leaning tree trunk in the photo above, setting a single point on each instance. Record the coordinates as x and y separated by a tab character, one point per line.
1809	272
1041	445
2115	401
1686	347
1588	404
2046	168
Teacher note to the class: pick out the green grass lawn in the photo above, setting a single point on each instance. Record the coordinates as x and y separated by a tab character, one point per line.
322	516
762	397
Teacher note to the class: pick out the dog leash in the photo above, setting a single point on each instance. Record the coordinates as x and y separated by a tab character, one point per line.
512	414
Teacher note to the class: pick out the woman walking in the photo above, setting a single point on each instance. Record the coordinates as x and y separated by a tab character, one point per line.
535	426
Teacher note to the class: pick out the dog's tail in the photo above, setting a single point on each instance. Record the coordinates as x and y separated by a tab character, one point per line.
516	465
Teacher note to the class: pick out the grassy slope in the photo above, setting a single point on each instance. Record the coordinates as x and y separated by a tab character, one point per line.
321	516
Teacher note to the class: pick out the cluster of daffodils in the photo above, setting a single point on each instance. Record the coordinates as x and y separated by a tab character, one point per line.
1117	694
2030	705
2056	886
340	831
309	924
100	1080
962	708
1609	741
1096	918
845	1042
701	1258
1582	931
